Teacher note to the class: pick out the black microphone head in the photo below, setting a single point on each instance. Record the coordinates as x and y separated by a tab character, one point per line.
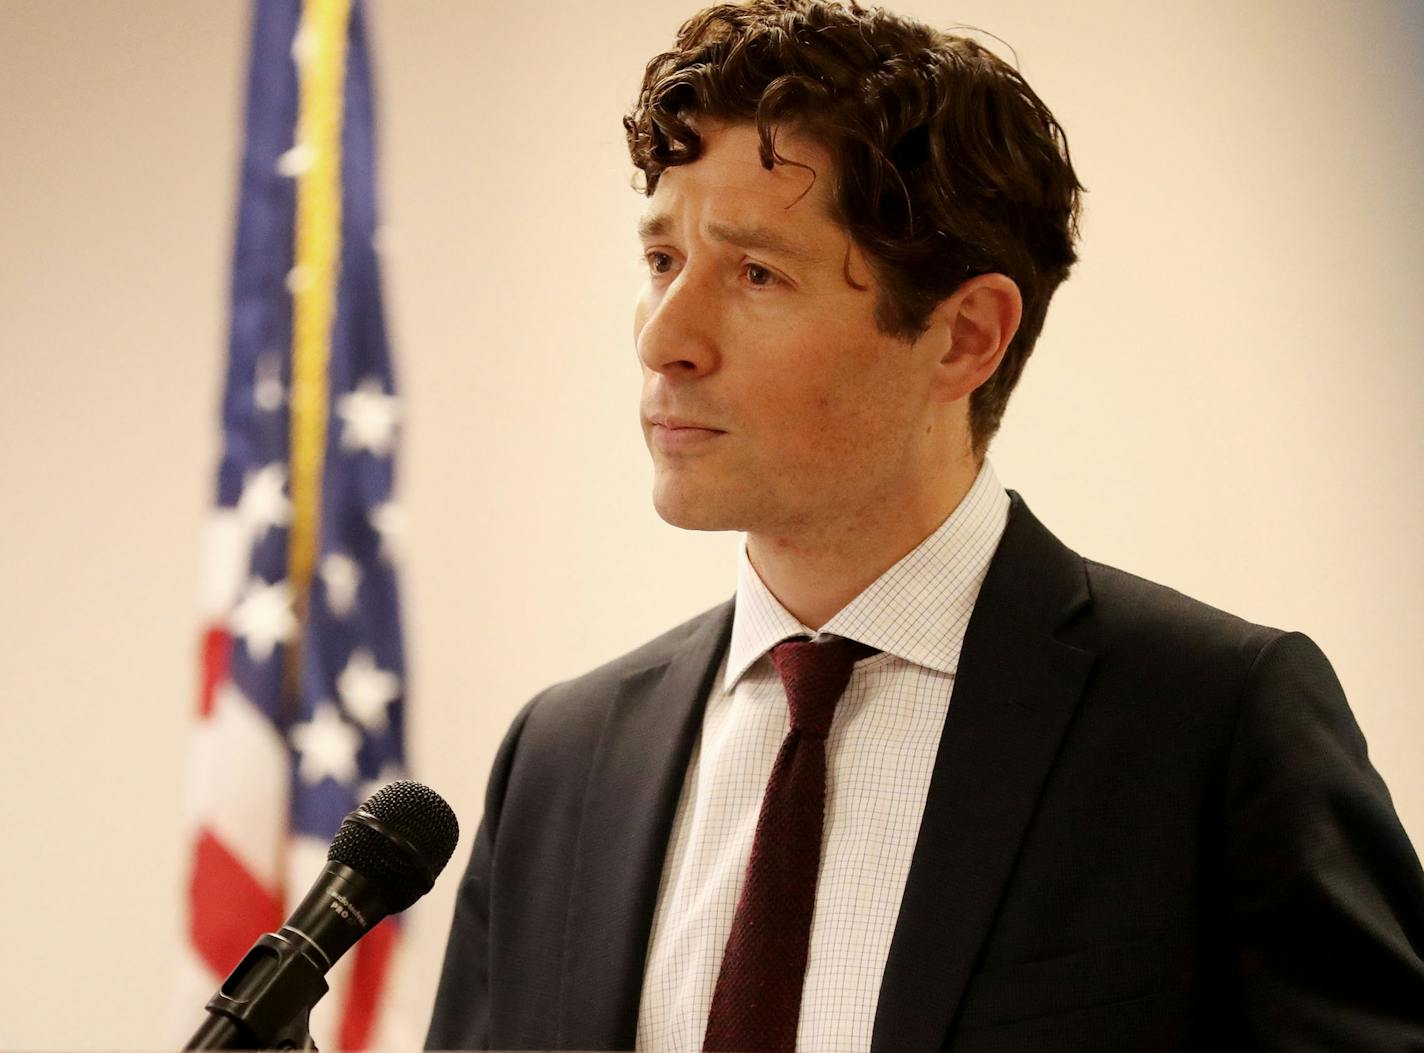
399	840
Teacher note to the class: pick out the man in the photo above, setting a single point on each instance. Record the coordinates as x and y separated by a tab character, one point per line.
931	780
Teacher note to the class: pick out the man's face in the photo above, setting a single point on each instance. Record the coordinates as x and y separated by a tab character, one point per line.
771	402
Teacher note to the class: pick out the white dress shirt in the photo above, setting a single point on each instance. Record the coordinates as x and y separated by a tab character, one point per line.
879	758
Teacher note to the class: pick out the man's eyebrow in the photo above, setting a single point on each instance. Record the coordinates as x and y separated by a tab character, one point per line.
653	226
744	237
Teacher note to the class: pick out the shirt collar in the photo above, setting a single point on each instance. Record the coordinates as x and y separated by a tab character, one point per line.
917	610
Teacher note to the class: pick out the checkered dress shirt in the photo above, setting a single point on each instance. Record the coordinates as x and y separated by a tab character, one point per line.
880	755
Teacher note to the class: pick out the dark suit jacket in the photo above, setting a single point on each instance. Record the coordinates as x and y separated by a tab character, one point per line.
1150	826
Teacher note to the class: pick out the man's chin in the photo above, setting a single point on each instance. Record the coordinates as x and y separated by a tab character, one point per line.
687	511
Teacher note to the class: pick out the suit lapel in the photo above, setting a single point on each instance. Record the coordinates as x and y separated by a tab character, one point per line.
634	785
1015	691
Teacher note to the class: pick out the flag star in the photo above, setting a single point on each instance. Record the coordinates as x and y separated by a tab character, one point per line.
327	746
370	417
263	617
366	690
263	503
267	390
304	44
296	161
299	279
342	577
388	520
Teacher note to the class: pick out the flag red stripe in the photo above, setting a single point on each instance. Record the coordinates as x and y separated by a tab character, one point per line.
229	907
217	658
368	975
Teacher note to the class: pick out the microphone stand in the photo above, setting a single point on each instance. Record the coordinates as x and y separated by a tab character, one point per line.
265	1003
220	1032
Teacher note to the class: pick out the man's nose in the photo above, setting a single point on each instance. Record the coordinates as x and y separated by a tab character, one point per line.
677	336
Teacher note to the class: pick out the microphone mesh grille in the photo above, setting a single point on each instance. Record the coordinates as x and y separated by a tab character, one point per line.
419	815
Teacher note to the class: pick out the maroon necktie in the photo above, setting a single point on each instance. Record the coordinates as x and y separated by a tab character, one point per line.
757	1000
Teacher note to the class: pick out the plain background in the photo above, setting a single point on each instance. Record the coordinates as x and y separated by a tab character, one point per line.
1226	397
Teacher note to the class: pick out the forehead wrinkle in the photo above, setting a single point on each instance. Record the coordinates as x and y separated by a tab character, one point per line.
660	224
755	237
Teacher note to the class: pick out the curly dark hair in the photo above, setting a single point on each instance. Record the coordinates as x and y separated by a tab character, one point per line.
948	165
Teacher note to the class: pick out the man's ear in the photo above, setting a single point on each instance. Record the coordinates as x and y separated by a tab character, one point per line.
974	326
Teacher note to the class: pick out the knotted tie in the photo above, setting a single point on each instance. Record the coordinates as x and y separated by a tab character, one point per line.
757	1000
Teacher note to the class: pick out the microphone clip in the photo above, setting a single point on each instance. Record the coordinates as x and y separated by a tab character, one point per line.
265	1003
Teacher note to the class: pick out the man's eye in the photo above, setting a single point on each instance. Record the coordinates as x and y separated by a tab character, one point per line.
658	262
760	276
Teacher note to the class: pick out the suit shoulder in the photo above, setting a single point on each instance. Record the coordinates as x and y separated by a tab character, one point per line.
1154	619
1185	667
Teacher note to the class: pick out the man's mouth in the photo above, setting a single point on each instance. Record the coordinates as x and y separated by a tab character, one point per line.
675	434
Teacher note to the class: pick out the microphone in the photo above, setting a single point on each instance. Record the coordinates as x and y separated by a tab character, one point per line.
386	855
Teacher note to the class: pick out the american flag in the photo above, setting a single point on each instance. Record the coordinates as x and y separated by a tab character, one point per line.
301	708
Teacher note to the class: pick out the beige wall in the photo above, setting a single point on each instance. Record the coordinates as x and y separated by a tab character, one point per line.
1226	397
